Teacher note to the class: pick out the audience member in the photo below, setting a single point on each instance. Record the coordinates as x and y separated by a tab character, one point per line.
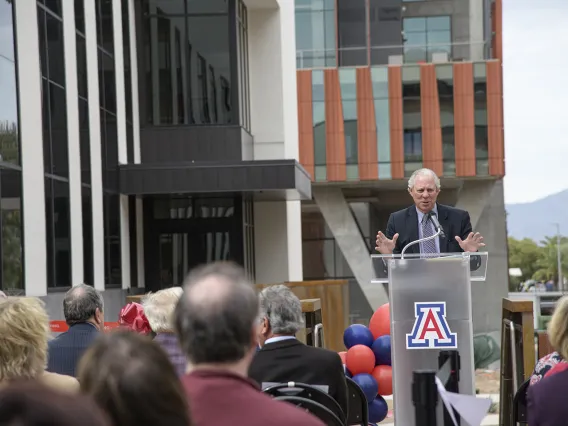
83	311
283	358
546	398
159	309
217	322
24	332
29	403
131	378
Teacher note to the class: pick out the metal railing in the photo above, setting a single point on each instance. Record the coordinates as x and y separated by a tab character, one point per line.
393	54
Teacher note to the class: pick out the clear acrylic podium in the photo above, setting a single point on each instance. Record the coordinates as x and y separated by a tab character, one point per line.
419	289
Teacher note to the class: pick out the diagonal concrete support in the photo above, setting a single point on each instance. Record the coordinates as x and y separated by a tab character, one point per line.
341	222
473	197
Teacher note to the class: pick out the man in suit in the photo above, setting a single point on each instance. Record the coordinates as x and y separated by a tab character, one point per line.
414	222
283	358
83	311
216	320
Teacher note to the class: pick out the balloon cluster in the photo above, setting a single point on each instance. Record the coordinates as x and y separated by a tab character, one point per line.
368	360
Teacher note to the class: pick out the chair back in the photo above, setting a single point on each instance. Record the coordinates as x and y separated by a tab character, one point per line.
357	402
302	390
315	408
520	404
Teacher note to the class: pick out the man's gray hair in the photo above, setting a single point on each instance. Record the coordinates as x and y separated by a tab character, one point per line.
81	303
282	309
216	315
423	172
159	308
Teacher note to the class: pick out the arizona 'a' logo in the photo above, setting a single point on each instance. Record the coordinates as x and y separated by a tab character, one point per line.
431	330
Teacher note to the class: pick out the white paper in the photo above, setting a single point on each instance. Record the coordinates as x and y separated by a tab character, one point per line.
472	409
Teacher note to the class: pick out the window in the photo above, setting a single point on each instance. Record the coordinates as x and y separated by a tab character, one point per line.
182	39
379	79
109	148
412	119
385	34
352	32
426	36
315	33
318	117
243	62
481	135
55	145
445	80
348	88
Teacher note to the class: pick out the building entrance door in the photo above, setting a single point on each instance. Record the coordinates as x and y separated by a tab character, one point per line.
182	233
180	252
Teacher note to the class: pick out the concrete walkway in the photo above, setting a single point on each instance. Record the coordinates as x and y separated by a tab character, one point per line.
490	419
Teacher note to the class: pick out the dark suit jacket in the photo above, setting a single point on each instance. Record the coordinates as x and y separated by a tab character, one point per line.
222	398
292	361
453	221
546	401
67	348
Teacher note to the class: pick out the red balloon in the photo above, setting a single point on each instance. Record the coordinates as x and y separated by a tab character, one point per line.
380	321
342	355
383	376
360	359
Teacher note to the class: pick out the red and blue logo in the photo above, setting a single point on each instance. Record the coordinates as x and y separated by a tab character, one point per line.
431	330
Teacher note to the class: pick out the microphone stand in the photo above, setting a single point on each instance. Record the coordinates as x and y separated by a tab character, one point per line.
410	244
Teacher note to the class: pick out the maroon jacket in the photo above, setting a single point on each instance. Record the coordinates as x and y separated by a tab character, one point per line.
223	398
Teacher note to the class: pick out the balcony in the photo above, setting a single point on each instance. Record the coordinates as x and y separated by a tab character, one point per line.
406	54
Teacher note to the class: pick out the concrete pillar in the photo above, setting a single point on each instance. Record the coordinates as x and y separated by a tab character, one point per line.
473	198
278	241
341	222
485	202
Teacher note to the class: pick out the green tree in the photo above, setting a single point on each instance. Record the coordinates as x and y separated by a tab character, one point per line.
548	262
526	255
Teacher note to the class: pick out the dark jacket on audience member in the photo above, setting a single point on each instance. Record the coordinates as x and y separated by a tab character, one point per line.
66	350
292	361
224	398
546	401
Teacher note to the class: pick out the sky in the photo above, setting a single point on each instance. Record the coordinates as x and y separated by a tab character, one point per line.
535	49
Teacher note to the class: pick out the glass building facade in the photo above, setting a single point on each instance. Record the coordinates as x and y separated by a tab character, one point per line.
11	241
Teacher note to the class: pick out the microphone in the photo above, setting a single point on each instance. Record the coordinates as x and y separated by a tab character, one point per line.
434	220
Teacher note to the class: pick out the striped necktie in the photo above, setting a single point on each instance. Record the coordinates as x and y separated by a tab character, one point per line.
428	247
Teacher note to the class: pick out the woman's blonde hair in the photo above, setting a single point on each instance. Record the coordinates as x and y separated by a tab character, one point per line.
24	332
558	328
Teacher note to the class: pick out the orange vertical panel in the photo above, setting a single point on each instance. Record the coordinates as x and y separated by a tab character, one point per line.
497	28
432	154
305	121
334	130
495	131
366	127
396	122
464	119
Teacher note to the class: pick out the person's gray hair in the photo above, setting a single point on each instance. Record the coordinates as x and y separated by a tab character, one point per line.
216	315
80	304
282	309
159	308
423	172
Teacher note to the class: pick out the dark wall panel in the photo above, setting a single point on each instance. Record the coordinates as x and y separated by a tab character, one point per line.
196	143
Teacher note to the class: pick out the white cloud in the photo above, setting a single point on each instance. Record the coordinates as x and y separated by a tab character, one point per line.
535	48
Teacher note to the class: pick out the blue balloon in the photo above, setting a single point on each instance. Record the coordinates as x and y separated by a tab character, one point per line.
378	410
382	350
368	384
357	334
348	373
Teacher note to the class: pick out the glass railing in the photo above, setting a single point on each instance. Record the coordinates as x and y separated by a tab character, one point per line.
394	55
